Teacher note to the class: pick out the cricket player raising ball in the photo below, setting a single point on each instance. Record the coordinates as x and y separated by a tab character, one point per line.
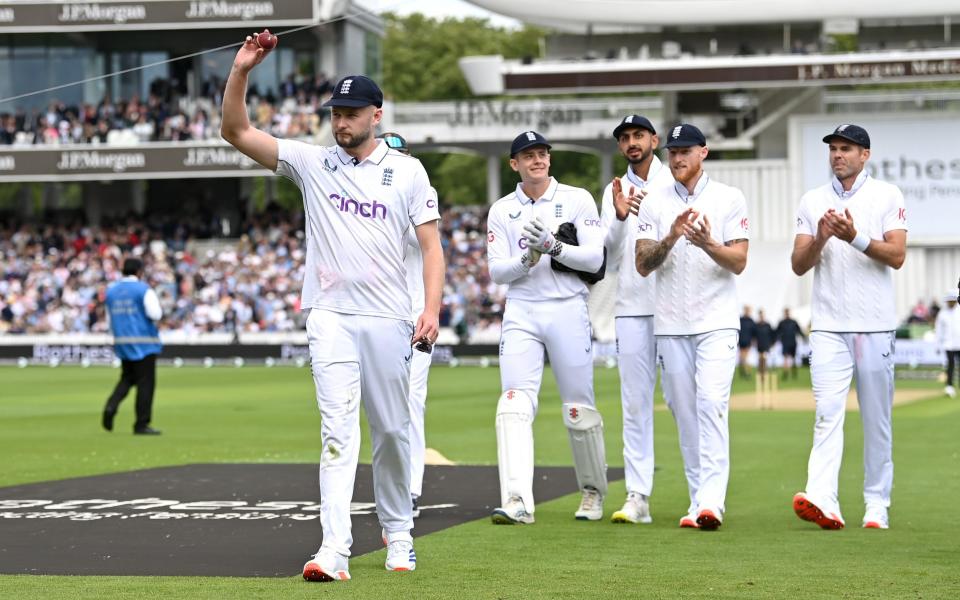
360	201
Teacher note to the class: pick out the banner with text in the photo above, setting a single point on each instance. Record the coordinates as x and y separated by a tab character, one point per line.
161	160
116	15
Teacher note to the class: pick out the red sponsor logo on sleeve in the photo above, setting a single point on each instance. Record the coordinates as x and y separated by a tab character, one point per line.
745	224
902	215
490	236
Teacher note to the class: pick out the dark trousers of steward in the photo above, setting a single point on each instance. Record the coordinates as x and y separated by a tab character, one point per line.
141	374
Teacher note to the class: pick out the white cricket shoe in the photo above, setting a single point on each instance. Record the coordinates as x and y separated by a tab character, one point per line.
512	512
591	505
949	391
635	510
400	556
876	518
326	565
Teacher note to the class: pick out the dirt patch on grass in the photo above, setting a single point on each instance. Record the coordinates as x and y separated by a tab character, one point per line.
803	399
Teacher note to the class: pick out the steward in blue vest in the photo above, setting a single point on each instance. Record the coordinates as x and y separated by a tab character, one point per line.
134	310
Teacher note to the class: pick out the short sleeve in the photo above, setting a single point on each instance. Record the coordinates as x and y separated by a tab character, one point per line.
737	226
422	198
896	215
290	160
647	220
806	224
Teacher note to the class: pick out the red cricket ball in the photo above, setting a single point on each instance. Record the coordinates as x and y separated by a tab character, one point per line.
267	40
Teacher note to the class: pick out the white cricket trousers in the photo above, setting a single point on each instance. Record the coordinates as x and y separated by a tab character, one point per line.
696	375
636	358
356	359
834	359
419	372
562	327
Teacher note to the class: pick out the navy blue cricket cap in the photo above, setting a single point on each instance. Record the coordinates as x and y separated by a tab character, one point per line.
633	121
685	135
395	141
356	91
852	133
527	139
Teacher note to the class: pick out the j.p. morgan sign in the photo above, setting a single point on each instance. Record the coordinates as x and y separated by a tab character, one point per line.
155	14
149	161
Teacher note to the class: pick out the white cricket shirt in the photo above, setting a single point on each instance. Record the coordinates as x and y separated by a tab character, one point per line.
852	293
413	263
694	294
505	243
635	293
357	218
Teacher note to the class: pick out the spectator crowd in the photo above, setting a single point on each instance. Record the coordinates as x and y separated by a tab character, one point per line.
53	279
168	114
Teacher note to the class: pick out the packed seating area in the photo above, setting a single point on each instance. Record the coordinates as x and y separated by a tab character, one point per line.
165	114
53	278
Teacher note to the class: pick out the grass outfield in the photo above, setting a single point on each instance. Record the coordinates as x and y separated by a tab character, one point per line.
49	429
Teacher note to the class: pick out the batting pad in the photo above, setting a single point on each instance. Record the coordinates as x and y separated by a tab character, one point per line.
585	426
515	412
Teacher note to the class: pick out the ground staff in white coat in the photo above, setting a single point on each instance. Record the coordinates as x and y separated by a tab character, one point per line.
360	199
853	232
545	310
696	234
636	345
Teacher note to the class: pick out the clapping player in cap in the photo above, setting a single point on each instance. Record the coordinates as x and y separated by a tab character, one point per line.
636	345
853	232
360	201
546	310
695	235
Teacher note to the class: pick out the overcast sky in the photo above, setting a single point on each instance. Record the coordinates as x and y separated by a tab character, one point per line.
439	8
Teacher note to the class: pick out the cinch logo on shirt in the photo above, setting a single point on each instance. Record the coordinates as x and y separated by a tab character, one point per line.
373	210
644	226
591	222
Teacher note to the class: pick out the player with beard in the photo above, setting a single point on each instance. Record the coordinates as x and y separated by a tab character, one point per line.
695	233
360	200
636	345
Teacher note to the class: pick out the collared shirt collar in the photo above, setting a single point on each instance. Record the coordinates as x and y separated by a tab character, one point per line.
129	278
857	184
633	178
686	196
375	157
547	195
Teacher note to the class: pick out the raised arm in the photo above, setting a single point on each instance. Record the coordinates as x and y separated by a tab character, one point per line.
235	126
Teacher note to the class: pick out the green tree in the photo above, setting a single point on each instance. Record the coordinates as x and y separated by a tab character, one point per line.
420	53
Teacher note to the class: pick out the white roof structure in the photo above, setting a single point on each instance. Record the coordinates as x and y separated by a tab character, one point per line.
577	15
